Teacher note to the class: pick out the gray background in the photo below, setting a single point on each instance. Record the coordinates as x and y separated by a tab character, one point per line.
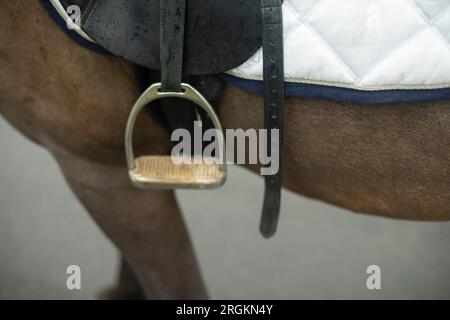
320	251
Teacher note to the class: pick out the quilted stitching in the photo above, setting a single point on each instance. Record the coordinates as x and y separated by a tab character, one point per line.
364	44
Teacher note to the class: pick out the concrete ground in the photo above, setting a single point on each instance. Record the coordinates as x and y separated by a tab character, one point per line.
319	252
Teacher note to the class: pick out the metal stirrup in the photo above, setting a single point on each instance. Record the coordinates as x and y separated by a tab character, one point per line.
161	171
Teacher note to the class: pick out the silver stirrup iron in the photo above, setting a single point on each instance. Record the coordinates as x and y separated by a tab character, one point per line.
161	171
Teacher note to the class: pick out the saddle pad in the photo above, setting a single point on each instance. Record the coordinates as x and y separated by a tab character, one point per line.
362	45
394	57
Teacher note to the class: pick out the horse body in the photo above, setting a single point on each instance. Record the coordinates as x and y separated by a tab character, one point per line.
389	160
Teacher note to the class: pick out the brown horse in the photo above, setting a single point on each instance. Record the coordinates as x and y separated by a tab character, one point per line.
389	160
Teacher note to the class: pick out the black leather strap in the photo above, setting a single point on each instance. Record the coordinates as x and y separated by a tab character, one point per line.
173	14
180	113
273	95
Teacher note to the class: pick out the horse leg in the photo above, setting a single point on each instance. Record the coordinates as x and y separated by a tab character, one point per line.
75	103
146	226
127	286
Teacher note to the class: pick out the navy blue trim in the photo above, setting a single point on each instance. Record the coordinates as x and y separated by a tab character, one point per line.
345	94
71	33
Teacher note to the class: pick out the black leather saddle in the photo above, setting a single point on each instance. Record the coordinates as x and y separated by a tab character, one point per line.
219	35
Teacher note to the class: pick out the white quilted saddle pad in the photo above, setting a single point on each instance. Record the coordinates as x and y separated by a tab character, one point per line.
363	44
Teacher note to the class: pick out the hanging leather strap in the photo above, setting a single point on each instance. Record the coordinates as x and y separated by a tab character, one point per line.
173	13
273	99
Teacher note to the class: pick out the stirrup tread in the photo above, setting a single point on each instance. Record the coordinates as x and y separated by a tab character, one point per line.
162	172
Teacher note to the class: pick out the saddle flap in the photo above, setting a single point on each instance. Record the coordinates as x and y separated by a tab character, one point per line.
219	36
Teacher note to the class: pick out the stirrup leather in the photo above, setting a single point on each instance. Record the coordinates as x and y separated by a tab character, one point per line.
161	171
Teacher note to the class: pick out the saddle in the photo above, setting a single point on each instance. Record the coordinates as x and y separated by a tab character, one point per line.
218	35
192	38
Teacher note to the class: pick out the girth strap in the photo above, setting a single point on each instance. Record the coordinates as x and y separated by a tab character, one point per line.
273	99
173	13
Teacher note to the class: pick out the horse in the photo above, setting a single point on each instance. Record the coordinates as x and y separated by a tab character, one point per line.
388	160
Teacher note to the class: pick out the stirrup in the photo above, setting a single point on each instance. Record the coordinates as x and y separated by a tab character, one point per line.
160	171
